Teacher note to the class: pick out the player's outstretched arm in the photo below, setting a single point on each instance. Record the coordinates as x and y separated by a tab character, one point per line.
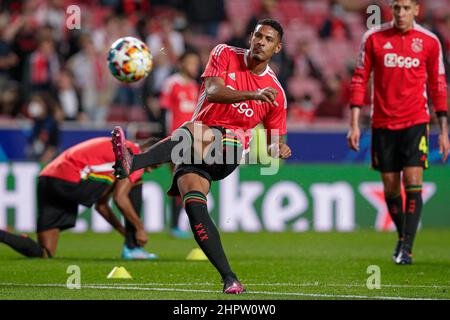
102	206
121	198
217	92
354	133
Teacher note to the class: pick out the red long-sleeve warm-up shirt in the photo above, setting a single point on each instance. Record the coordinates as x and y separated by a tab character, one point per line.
406	66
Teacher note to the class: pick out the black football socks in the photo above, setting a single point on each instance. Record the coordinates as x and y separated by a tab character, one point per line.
22	244
135	196
413	212
175	214
395	208
205	232
161	152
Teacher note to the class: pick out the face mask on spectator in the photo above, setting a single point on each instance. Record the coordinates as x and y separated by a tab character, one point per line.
35	109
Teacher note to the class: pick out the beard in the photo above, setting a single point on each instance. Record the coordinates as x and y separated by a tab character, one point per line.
256	57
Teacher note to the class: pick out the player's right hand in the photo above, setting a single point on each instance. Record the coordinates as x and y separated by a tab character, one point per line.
444	146
353	136
268	95
141	237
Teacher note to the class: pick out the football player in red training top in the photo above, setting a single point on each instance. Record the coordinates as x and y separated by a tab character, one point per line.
239	90
179	96
407	63
83	174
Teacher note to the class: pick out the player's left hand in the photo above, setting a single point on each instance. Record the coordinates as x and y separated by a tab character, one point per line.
444	146
285	151
280	150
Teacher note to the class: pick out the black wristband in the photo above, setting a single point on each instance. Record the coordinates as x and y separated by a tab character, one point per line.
354	106
441	114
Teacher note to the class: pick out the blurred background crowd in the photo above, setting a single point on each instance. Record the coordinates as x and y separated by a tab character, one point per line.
50	74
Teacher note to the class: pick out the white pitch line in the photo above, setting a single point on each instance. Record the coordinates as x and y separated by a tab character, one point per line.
278	284
313	284
301	294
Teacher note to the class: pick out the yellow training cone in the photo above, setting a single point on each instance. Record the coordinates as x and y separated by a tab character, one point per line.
119	273
196	254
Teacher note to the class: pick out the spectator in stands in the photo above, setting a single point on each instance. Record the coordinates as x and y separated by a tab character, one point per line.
335	26
43	66
205	15
69	97
304	62
51	13
9	101
131	8
333	105
164	49
283	65
155	114
92	78
44	139
8	58
22	31
107	33
239	37
166	39
153	84
302	110
267	9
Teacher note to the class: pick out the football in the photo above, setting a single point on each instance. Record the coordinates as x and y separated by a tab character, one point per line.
129	59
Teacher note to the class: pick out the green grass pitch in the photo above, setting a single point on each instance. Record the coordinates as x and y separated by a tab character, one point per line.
271	265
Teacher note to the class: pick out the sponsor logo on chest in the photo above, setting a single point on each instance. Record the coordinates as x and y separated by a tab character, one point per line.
393	60
242	107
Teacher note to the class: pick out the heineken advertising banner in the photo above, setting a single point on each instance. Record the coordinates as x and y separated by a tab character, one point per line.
298	198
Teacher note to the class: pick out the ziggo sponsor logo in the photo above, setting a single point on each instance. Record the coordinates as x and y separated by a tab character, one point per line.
242	107
392	60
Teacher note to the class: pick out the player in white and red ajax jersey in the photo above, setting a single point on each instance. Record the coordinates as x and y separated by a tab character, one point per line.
407	65
239	91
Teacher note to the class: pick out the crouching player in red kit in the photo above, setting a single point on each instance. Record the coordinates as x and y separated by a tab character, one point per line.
404	58
83	175
239	91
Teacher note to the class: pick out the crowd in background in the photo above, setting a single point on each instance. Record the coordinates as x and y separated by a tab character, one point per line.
50	73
